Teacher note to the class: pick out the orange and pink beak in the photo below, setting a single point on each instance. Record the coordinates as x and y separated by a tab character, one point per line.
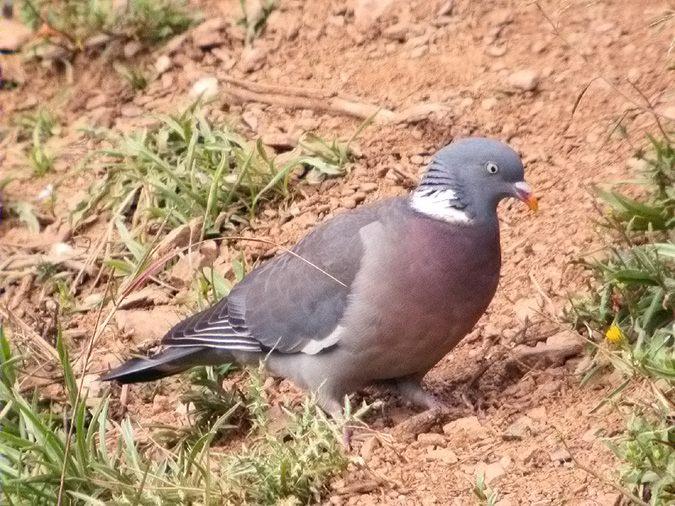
524	192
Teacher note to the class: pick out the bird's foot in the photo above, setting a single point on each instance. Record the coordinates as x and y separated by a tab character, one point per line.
410	390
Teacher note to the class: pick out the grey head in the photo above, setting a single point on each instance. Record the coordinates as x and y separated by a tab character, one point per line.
468	178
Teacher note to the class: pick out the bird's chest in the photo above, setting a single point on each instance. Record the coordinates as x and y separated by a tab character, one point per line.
425	288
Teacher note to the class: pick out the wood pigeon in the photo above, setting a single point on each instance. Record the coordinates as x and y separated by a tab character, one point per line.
377	294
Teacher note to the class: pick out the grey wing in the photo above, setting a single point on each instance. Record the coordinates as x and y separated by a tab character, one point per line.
295	302
291	303
211	328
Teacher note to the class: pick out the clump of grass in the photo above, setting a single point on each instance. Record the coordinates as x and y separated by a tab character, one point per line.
135	76
295	464
187	167
37	128
255	14
148	21
631	317
484	494
86	457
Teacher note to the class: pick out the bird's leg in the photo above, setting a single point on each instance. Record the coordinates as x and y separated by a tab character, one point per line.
410	389
329	401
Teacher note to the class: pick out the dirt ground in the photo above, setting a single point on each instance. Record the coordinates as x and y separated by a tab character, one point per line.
511	70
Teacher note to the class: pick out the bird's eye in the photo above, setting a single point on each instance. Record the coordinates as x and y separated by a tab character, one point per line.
492	168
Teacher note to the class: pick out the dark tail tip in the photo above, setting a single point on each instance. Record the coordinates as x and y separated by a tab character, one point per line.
165	363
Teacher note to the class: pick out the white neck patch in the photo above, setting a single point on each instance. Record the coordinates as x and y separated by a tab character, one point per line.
437	204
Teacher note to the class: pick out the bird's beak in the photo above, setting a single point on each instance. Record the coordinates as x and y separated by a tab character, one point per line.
524	193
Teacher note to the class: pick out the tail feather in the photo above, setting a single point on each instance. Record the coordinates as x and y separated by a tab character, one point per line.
165	363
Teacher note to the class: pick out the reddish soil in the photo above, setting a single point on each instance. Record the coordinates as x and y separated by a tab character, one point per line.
467	60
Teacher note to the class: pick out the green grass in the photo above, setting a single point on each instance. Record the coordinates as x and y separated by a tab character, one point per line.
87	457
148	21
35	129
631	317
188	168
254	20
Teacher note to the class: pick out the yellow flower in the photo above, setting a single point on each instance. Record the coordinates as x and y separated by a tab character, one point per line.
614	334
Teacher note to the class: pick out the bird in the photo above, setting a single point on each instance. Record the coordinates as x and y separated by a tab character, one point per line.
375	295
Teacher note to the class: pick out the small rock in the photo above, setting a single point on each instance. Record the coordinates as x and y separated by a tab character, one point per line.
524	80
175	44
132	48
209	252
634	75
492	472
144	324
445	455
251	120
207	35
519	429
637	164
252	58
418	52
369	447
488	103
368	187
611	499
445	8
560	455
131	111
359	197
183	272
431	439
147	296
496	51
464	428
348	203
162	64
538	413
525	309
205	88
668	111
92	386
367	12
96	101
398	32
13	35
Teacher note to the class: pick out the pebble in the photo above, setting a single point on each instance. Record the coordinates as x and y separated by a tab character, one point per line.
205	88
496	51
162	64
207	35
524	80
611	499
519	429
560	455
444	455
467	426
348	202
367	12
252	58
488	103
13	35
431	439
368	447
132	48
96	101
492	472
418	52
359	196
368	187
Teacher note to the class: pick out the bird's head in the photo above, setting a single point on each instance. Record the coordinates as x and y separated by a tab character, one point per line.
468	178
